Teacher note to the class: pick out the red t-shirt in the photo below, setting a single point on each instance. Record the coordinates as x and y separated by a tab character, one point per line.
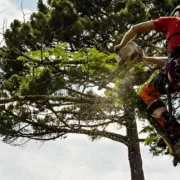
169	26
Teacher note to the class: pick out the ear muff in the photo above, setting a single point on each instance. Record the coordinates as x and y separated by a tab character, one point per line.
176	11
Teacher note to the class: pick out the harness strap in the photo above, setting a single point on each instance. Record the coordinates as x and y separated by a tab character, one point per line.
169	80
169	77
172	35
169	101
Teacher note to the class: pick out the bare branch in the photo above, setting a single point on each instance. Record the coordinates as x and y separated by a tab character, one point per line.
23	11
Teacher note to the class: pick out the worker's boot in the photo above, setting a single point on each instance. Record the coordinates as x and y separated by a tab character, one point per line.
172	130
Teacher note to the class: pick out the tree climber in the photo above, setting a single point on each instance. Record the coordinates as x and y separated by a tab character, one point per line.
153	90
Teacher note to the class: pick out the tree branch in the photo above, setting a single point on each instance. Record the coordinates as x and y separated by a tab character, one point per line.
46	97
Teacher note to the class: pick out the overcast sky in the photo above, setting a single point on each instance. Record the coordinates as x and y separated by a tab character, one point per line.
75	158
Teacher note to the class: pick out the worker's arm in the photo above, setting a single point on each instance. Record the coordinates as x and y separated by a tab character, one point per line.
160	61
142	27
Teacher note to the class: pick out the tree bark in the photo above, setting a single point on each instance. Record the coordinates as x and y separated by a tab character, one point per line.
134	154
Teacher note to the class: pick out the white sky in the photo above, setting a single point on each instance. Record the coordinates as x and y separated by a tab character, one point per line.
75	158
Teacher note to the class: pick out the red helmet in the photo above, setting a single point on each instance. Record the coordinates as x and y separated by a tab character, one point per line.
176	11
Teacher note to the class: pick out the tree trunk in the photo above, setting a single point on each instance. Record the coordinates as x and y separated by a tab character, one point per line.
134	153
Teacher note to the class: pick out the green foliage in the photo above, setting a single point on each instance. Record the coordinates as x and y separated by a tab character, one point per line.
37	85
152	136
150	139
62	14
6	124
38	21
42	7
95	61
12	83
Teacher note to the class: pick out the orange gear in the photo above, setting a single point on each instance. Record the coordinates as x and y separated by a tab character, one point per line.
149	94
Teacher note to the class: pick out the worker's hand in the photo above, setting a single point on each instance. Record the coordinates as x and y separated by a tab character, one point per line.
117	48
141	56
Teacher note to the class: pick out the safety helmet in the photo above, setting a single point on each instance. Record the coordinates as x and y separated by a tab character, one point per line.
176	11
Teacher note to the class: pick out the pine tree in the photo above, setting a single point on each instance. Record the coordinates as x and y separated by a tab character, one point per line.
53	63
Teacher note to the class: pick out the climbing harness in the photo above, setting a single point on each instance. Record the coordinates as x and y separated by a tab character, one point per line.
172	73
